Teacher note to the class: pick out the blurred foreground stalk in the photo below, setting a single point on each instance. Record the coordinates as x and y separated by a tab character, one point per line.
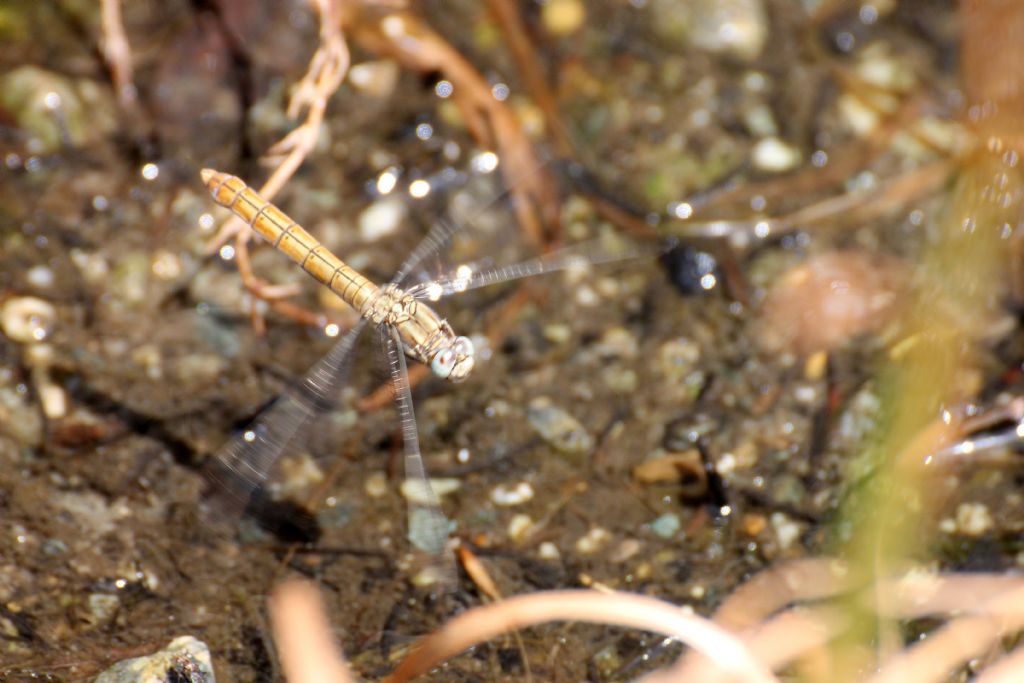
962	283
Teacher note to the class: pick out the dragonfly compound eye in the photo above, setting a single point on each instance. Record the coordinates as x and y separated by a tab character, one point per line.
443	363
463	348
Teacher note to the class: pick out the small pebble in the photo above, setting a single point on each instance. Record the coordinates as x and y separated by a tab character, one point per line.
381	218
557	333
548	551
593	540
617	342
557	427
786	530
103	607
508	495
184	659
299	473
377	78
627	549
670	468
773	155
26	319
666	526
678	358
974	519
376	485
519	526
40	276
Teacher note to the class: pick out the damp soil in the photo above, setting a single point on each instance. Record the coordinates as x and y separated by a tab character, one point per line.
113	540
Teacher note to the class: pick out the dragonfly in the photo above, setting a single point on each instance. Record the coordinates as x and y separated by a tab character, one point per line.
408	328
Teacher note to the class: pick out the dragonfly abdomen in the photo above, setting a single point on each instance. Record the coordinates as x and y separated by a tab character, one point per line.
287	236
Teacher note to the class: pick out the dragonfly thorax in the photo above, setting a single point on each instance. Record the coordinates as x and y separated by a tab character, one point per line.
424	334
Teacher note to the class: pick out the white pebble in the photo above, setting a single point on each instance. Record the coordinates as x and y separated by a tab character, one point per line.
593	540
40	276
26	319
772	155
507	495
381	219
786	530
377	78
548	551
519	526
376	485
974	519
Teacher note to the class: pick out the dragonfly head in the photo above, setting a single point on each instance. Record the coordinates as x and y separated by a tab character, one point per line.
454	362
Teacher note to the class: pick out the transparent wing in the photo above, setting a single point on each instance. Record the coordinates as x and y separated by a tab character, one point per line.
481	274
478	210
244	463
428	527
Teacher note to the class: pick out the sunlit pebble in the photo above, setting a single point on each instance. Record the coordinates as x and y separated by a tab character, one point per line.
331	330
444	89
419	189
519	525
150	171
508	495
484	162
774	155
381	218
500	92
548	551
424	131
868	14
227	252
593	541
40	276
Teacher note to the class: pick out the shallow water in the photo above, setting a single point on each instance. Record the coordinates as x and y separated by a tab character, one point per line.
110	545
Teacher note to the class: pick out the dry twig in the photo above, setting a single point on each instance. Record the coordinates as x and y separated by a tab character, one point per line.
303	636
117	51
325	74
